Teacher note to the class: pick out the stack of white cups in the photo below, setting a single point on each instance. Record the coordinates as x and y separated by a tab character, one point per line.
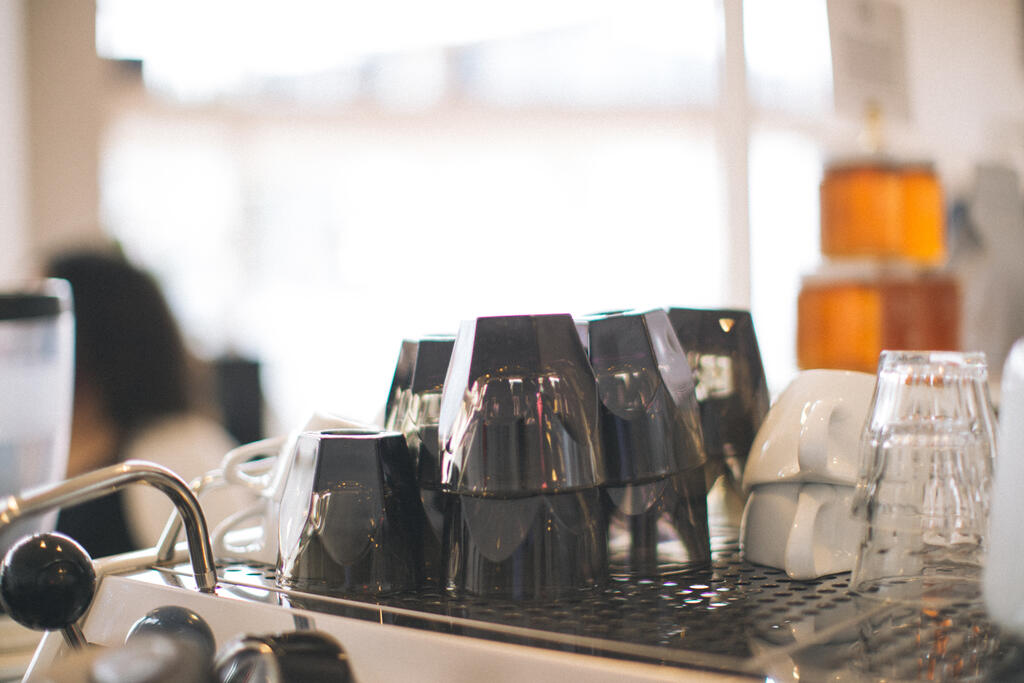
801	475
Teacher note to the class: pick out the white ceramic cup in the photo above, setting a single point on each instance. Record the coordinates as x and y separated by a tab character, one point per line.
807	530
812	432
1001	585
251	533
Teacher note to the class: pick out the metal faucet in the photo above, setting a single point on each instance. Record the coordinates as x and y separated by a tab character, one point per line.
101	482
165	546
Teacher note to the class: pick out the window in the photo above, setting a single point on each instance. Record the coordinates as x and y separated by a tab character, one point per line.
312	184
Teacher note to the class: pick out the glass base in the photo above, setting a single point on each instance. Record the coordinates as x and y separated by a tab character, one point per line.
935	590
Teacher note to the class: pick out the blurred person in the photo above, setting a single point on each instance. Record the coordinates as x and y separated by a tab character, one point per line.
132	400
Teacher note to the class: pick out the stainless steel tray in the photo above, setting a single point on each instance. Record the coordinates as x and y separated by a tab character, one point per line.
731	618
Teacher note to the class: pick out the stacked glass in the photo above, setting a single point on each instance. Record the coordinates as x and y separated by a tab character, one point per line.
927	457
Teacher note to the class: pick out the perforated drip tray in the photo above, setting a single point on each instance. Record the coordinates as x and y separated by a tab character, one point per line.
732	617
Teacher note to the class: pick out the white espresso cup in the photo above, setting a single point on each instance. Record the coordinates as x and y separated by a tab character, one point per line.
807	530
812	432
251	533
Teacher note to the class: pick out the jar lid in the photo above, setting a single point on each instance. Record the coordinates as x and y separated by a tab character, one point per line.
20	306
878	163
871	271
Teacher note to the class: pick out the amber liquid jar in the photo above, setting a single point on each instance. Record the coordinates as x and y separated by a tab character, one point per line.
845	321
882	210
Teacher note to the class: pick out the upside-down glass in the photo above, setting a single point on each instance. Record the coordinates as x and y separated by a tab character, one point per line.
926	472
271	459
732	391
655	491
420	372
520	447
351	517
401	386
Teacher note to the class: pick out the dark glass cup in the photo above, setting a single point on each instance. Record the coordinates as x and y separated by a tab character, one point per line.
520	449
655	492
351	518
422	365
730	385
401	386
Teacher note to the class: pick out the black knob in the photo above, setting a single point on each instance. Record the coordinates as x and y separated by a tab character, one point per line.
293	657
177	623
152	658
46	581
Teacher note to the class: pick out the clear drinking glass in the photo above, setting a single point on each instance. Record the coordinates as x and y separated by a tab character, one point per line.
926	472
37	349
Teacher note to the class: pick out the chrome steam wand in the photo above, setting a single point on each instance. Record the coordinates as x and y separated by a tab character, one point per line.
91	485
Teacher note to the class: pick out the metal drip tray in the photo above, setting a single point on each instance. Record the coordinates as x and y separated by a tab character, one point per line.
732	618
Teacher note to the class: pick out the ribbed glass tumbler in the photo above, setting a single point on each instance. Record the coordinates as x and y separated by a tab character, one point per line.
926	471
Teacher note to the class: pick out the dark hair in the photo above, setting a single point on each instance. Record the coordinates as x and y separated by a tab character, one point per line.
127	342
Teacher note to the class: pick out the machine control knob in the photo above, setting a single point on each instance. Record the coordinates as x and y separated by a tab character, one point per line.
178	623
292	657
47	581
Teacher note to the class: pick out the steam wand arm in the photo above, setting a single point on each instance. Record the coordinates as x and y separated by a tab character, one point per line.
165	546
91	485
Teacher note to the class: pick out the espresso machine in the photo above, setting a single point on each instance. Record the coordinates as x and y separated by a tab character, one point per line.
558	531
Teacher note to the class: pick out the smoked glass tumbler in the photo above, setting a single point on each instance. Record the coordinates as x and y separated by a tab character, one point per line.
655	491
732	393
927	455
519	434
400	393
351	518
415	414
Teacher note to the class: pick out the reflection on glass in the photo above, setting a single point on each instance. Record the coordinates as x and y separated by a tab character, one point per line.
713	375
929	644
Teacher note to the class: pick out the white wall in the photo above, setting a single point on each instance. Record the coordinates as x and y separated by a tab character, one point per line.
65	91
51	110
966	66
13	200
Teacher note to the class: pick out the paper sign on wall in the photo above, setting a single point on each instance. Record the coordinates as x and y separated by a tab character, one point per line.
869	62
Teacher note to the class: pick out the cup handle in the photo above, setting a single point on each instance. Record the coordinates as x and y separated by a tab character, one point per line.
812	452
800	544
221	546
234	460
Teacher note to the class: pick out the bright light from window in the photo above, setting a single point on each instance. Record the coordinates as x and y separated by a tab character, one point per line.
788	57
196	50
785	170
538	157
318	249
